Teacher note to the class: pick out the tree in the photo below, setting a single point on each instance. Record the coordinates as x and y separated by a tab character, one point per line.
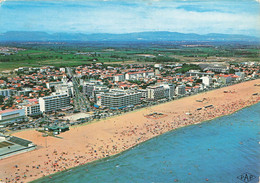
187	67
232	71
80	88
1	99
4	78
18	88
10	102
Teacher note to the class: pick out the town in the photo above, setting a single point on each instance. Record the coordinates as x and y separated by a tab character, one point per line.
129	91
53	98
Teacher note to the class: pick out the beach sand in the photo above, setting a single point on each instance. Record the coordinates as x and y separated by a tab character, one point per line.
83	144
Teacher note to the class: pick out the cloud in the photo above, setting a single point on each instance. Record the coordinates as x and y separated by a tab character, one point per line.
121	16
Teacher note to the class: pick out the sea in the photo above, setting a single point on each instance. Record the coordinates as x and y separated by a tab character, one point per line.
223	150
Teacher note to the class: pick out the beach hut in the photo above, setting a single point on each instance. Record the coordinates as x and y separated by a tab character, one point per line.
53	128
56	132
64	129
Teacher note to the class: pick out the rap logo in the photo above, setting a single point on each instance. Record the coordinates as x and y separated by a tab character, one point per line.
246	177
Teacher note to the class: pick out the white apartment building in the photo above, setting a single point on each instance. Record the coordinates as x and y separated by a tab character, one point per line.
89	89
168	90
32	109
6	92
198	73
180	90
138	75
119	77
206	80
119	99
157	71
54	103
155	92
158	66
64	89
51	84
133	75
62	69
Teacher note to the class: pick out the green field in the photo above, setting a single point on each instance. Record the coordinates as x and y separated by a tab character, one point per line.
72	54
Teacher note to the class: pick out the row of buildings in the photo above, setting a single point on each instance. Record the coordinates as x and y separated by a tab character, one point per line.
47	89
117	98
36	107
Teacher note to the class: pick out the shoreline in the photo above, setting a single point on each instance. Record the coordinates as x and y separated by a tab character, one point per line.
128	131
118	154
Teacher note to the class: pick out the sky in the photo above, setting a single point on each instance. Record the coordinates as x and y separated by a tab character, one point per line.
126	16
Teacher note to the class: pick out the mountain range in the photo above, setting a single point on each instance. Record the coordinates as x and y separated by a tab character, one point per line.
23	36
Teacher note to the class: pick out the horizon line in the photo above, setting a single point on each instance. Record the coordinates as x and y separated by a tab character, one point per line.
50	32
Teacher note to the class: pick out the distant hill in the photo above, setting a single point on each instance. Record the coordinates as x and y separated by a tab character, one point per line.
140	36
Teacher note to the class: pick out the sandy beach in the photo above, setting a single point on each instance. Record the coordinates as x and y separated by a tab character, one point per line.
108	137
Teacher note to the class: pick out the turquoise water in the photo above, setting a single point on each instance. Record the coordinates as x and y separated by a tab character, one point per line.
219	150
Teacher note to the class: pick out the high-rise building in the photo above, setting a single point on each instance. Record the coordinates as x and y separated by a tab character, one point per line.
155	92
160	91
206	80
88	89
180	90
54	103
32	107
168	90
119	99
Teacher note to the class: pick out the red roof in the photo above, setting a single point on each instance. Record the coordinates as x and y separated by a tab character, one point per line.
9	110
32	100
225	76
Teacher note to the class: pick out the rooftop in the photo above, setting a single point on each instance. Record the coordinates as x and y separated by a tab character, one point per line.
9	110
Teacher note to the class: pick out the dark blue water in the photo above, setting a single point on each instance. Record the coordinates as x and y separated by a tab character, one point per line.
219	150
